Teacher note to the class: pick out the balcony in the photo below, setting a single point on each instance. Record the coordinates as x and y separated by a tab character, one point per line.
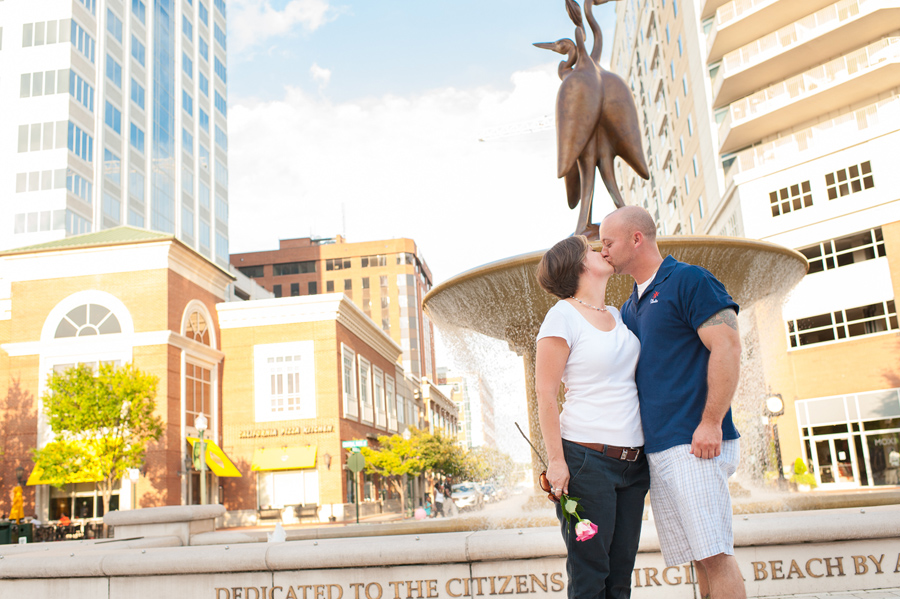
842	131
741	21
841	82
833	30
710	7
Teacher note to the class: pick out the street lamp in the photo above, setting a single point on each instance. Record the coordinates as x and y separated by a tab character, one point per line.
200	423
775	408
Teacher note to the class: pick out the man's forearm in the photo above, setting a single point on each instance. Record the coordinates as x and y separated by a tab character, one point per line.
722	379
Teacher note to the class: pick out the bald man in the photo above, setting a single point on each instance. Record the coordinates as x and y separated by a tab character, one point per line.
686	377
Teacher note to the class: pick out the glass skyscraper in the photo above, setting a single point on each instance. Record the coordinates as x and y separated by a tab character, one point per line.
119	115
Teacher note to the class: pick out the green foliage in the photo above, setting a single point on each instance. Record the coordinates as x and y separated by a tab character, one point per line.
442	455
801	475
102	424
489	463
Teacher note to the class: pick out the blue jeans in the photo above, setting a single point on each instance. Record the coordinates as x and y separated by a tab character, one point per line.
612	494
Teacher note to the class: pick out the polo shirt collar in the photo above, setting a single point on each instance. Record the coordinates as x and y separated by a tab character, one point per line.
662	273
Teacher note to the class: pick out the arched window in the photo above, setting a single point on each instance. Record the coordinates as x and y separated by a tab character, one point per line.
197	328
88	319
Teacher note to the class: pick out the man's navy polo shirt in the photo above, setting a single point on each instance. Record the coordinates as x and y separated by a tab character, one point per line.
671	372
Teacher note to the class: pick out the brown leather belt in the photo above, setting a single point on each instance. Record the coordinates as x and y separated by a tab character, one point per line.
626	454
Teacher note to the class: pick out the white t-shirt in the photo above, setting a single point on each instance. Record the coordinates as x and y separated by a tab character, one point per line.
602	401
643	286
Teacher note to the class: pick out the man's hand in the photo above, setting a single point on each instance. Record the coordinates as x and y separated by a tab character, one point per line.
707	441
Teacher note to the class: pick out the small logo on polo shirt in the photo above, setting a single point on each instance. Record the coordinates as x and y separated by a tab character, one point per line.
653	299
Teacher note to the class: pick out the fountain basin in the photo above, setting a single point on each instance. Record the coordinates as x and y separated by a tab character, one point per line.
779	554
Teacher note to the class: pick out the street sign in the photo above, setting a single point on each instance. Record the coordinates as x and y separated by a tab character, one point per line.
356	462
353	443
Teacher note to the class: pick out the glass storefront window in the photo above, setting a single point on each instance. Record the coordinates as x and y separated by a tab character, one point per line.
884	458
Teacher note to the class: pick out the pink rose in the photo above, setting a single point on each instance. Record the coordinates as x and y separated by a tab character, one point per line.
584	530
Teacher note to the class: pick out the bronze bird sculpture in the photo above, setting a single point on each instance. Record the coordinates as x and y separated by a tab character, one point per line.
616	131
578	108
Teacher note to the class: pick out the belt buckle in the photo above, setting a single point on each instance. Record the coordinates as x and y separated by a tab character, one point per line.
627	451
623	457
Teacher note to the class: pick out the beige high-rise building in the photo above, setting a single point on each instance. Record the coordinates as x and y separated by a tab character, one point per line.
779	120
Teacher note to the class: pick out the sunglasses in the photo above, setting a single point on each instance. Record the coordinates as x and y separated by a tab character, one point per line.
545	485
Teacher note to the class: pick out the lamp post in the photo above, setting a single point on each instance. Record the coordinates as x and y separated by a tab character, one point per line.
775	408
200	423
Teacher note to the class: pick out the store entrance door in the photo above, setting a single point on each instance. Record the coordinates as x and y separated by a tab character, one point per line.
836	463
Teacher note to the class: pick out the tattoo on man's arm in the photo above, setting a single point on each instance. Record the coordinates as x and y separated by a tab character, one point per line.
726	316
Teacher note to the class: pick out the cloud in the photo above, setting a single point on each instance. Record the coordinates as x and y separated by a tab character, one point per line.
397	166
252	22
320	74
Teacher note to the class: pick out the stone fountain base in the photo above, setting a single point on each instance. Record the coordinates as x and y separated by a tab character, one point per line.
154	556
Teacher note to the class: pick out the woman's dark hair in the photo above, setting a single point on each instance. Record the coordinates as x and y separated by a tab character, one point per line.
560	268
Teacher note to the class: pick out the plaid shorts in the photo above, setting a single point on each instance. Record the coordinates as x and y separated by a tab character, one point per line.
691	504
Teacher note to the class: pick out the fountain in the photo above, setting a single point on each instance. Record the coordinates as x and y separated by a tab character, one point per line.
502	300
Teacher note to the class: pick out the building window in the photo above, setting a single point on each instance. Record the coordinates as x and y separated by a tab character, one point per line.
844	251
204	87
204	14
348	284
311	288
351	406
139	10
187	102
254	272
285	381
849	180
680	48
221	105
293	268
187	65
843	324
187	28
220	36
378	396
187	141
114	25
204	120
197	328
113	118
138	52
81	90
80	143
337	263
691	219
276	290
365	390
83	42
88	320
284	488
295	289
112	167
690	125
377	260
114	71
137	138
137	94
329	286
406	258
365	283
197	393
794	198
700	206
220	69
204	49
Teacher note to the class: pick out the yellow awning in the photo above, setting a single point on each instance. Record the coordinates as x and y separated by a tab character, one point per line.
81	477
284	458
216	459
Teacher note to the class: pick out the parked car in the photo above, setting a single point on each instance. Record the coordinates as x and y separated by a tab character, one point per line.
493	492
467	496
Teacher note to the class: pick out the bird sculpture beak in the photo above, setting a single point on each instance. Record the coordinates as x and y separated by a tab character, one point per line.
547	46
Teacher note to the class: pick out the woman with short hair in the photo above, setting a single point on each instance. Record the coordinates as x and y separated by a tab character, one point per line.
594	446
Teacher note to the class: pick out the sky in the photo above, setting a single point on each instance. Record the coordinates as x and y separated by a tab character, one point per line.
364	119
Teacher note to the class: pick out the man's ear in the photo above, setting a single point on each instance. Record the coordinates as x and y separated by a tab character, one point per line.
637	239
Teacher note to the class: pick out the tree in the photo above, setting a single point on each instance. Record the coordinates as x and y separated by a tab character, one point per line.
441	454
394	458
489	463
102	424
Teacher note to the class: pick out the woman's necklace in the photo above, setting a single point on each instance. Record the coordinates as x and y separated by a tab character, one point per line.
603	309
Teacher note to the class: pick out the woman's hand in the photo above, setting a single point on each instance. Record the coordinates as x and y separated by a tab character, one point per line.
558	476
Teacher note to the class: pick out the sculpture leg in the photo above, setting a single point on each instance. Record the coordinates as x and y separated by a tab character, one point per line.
586	165
605	161
573	187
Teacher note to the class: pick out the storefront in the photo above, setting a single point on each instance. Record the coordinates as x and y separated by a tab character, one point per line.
852	441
